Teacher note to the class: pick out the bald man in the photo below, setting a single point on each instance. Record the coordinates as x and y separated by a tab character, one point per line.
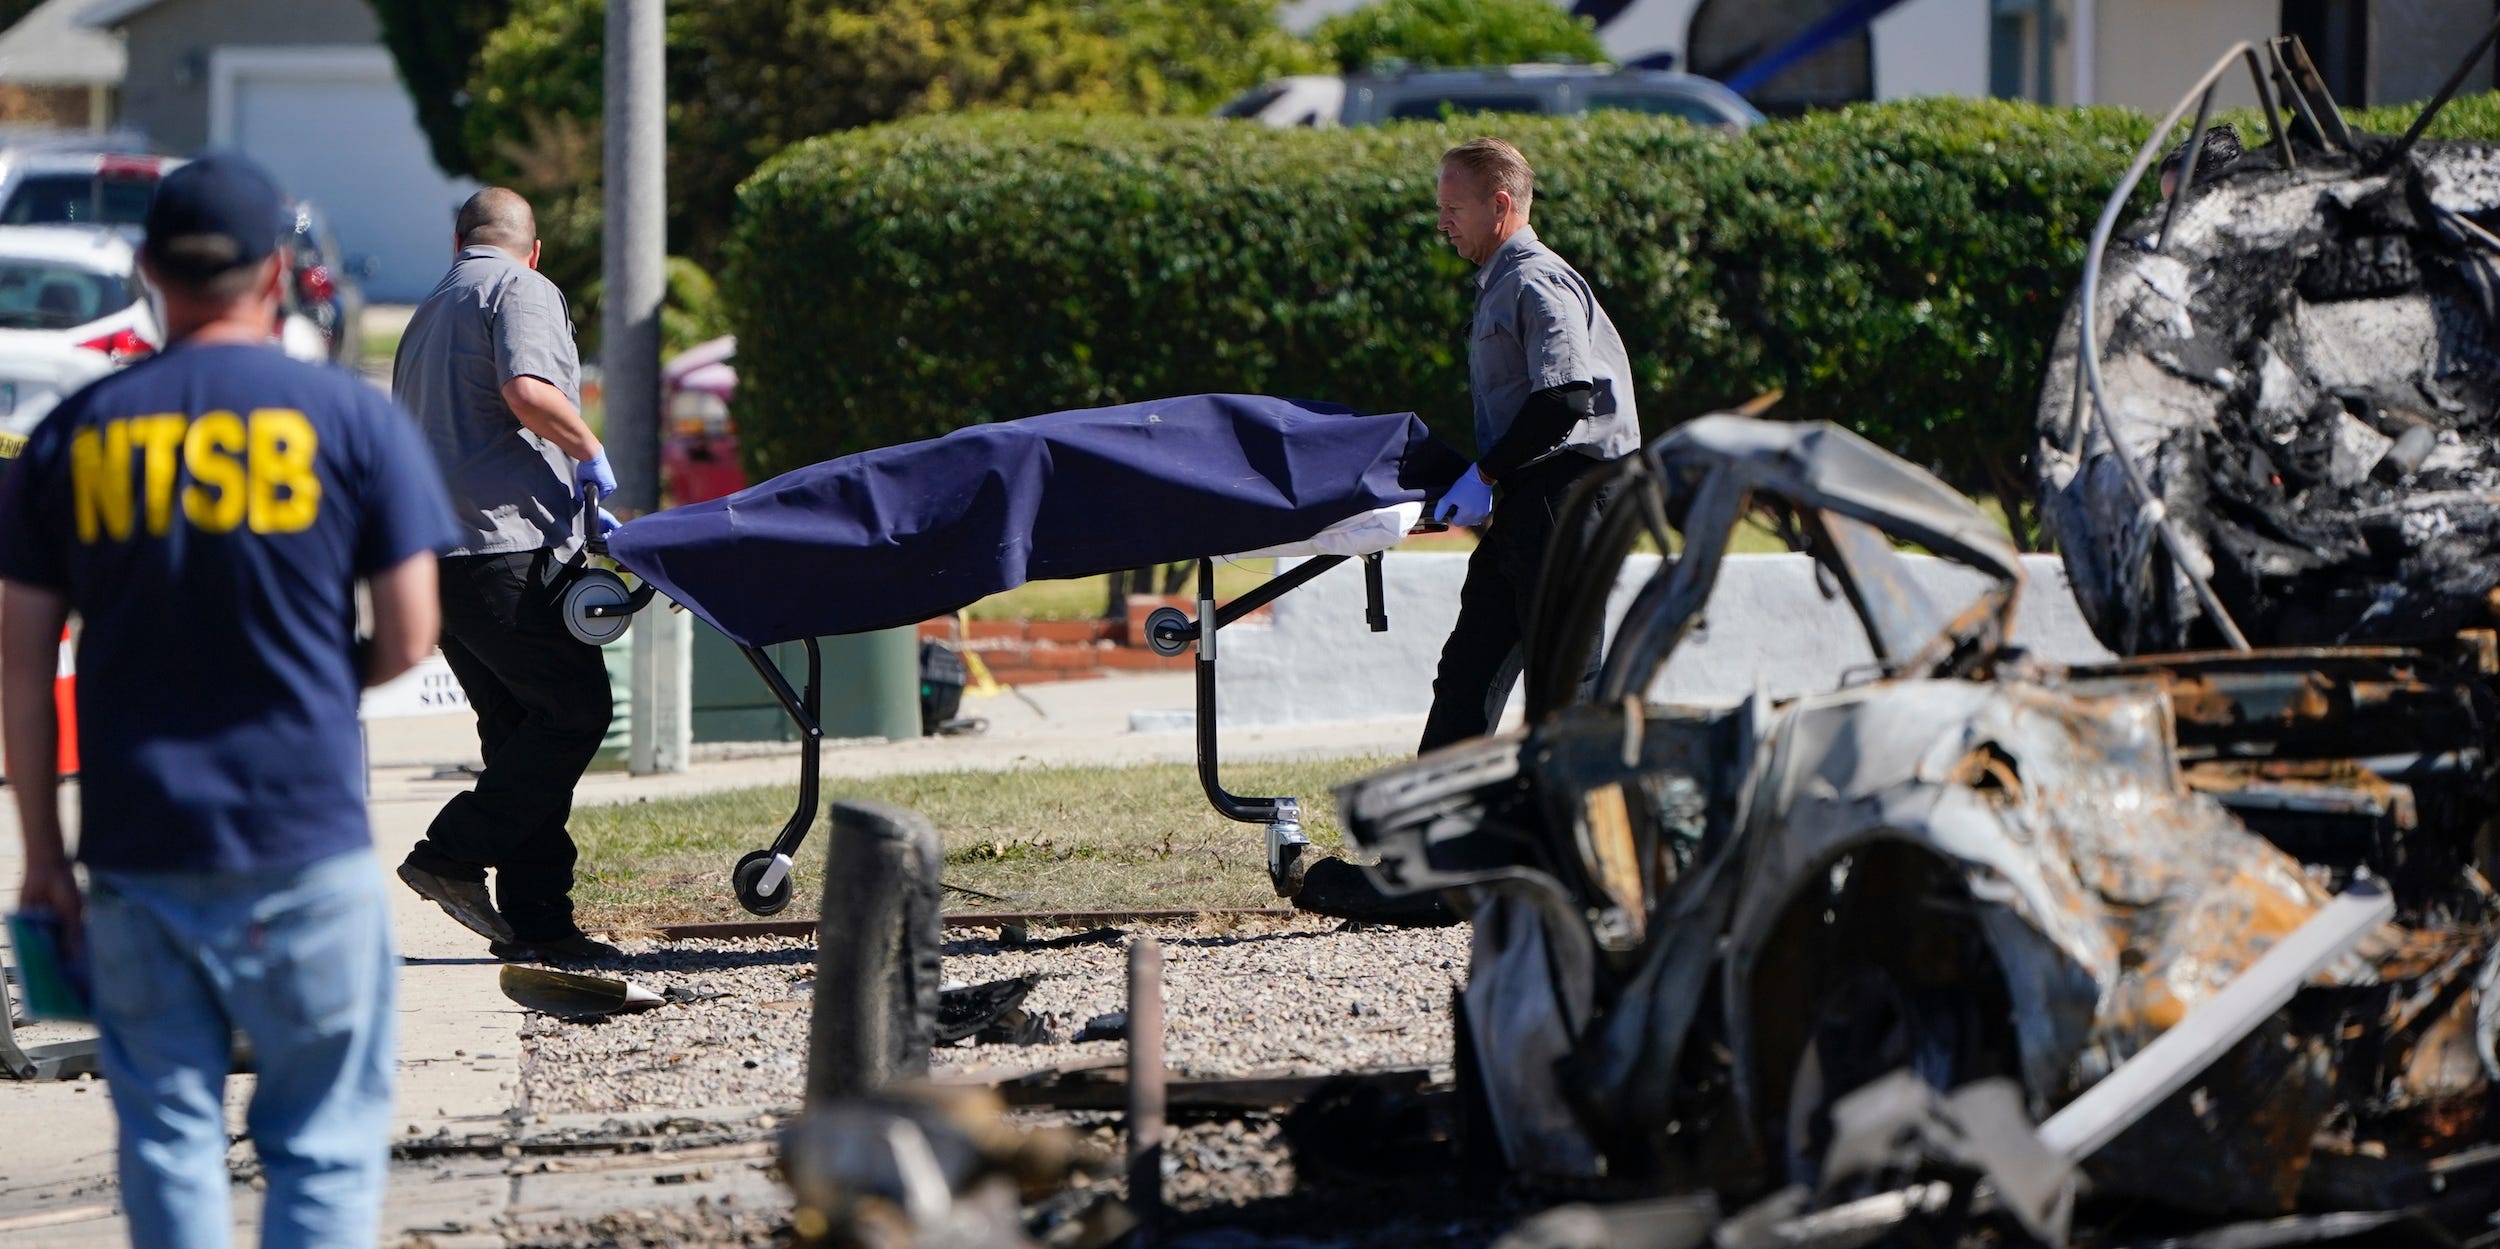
489	369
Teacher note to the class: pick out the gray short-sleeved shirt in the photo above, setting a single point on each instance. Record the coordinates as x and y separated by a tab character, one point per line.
1537	325
493	319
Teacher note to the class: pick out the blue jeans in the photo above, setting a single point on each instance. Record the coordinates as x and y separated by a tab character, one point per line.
299	961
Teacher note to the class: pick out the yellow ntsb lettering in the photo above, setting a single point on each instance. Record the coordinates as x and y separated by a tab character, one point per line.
256	472
213	452
99	481
159	439
285	492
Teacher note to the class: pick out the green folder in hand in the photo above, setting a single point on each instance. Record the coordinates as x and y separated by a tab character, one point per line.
51	984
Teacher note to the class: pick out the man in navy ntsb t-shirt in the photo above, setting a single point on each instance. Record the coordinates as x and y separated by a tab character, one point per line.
208	515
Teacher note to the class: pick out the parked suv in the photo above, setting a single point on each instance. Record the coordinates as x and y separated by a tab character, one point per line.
1325	100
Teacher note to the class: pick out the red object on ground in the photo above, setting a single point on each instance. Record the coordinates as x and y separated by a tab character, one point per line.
65	705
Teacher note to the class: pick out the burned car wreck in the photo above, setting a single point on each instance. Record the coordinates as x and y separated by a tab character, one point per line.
2199	936
1699	929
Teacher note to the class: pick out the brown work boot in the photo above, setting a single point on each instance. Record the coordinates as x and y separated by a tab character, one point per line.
464	900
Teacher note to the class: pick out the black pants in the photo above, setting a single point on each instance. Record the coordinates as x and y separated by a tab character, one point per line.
1482	660
542	703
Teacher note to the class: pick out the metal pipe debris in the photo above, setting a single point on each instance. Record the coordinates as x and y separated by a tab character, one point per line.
1145	1083
2148	503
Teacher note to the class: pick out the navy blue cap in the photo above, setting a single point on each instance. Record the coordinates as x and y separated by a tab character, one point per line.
218	213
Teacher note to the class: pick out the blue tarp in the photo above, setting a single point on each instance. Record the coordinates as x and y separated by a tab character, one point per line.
902	534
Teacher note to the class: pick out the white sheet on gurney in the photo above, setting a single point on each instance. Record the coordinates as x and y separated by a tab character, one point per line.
1359	534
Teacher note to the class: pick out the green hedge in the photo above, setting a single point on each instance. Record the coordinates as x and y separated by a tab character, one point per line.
1897	268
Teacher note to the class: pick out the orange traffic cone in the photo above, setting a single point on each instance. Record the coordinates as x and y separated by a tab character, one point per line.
65	704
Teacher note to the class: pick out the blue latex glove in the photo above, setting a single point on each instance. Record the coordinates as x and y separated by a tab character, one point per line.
1468	501
607	522
595	472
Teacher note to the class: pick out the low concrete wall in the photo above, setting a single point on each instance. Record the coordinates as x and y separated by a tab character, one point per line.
1770	626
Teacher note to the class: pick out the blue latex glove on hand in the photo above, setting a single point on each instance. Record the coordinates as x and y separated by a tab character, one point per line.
607	522
1468	501
595	472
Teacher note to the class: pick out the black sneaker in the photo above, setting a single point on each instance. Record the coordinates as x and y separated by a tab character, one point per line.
464	900
577	948
1339	889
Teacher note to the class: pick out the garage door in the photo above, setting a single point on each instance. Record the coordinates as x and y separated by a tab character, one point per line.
335	127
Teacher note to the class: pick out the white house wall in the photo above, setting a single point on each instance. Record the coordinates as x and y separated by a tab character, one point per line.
334	126
1932	47
2149	52
1772	626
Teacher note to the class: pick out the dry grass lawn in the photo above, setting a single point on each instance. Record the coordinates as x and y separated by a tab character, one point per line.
1075	838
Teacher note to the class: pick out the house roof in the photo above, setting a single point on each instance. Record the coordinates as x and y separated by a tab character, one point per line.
56	46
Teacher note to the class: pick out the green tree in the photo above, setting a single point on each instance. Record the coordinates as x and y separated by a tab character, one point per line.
748	77
1453	33
436	43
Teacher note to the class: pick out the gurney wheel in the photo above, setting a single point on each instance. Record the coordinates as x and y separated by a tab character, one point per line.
746	878
1168	631
596	587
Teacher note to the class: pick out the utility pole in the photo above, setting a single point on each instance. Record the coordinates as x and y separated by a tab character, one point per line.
634	273
2086	34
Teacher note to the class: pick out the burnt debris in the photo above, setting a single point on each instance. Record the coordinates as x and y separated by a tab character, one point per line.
2309	369
1700	931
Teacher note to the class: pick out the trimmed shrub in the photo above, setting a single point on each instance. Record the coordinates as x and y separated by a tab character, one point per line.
1899	269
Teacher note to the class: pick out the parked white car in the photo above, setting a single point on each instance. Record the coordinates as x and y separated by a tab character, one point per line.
71	311
64	186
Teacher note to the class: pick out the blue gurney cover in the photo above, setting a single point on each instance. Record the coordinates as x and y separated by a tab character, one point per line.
900	534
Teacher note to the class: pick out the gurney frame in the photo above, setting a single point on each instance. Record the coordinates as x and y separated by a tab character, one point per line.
761	878
1169	631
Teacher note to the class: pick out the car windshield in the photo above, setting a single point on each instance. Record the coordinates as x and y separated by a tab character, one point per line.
1698	112
50	295
1435	107
79	199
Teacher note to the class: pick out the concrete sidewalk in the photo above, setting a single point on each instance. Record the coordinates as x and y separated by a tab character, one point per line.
460	1049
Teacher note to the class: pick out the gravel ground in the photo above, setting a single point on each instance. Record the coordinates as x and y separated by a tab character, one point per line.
746	1047
1297	995
704	1227
1302	996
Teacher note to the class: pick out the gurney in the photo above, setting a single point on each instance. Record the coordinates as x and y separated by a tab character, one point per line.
902	534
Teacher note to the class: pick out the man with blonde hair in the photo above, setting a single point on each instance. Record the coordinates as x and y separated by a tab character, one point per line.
1553	402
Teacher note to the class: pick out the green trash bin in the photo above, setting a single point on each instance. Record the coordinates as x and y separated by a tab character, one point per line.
871	687
615	748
